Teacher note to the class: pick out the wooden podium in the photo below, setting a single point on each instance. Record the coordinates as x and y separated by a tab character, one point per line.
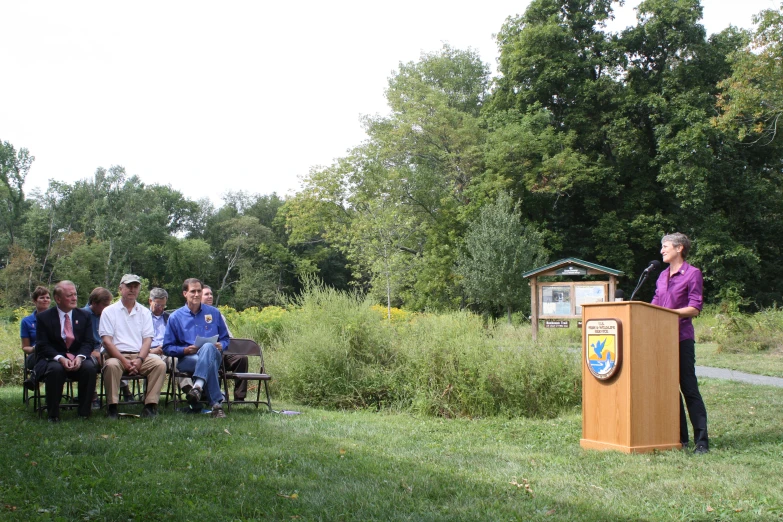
637	409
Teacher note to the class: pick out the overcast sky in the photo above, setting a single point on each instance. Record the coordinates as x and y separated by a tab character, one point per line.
216	96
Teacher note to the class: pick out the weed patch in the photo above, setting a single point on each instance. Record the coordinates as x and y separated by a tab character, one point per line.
336	351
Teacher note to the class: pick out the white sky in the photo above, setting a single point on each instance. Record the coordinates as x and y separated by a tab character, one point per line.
242	95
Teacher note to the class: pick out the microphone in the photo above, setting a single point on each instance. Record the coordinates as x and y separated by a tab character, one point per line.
618	295
654	265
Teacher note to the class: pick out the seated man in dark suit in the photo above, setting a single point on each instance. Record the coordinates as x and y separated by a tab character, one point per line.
65	340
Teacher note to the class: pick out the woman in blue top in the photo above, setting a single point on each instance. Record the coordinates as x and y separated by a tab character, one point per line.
42	300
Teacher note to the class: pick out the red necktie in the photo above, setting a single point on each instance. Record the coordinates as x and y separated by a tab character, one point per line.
68	332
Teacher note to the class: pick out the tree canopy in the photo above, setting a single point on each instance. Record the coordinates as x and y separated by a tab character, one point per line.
586	143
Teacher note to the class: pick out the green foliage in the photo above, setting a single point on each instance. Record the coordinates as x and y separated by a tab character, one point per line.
750	333
251	323
335	351
498	250
395	206
606	140
454	365
18	277
752	97
14	167
11	355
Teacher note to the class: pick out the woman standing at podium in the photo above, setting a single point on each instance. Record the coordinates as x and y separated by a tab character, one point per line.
680	288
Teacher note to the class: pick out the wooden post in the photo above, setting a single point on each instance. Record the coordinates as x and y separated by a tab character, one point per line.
534	306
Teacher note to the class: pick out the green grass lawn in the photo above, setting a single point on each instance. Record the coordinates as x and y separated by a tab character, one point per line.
332	465
762	363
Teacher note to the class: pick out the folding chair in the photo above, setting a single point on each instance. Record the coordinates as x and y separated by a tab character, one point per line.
68	400
173	391
35	394
249	348
39	397
134	382
25	375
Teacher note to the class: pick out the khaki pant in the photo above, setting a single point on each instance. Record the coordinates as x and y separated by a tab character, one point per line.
152	367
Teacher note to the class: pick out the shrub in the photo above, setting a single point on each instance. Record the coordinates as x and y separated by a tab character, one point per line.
252	323
457	366
336	351
397	315
11	355
744	333
333	351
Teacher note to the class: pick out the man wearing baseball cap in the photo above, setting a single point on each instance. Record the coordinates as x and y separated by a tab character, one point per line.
126	331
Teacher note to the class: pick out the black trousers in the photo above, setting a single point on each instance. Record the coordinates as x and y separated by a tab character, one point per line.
54	379
238	364
36	367
689	388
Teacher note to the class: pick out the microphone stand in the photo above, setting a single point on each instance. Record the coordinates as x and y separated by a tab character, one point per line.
642	279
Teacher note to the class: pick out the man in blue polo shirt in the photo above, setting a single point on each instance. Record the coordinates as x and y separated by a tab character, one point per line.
183	332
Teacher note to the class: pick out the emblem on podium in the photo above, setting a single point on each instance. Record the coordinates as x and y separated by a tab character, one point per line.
603	347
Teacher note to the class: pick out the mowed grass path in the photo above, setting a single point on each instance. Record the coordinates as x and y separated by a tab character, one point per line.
764	363
328	465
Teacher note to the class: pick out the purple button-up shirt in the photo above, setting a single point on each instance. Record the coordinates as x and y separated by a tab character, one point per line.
684	288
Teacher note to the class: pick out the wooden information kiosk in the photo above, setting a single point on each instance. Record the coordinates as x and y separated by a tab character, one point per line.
630	377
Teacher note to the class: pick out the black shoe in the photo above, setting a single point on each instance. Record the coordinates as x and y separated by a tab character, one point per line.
150	410
112	412
194	397
701	449
29	383
54	420
186	389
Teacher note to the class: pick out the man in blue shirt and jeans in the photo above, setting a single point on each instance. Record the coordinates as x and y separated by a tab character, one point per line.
680	288
185	326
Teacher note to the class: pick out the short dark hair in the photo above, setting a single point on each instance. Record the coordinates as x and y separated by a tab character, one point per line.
39	291
204	287
191	281
99	295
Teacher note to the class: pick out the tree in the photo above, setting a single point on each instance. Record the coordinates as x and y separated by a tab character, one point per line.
17	278
379	235
14	167
752	97
419	165
498	249
243	236
549	118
